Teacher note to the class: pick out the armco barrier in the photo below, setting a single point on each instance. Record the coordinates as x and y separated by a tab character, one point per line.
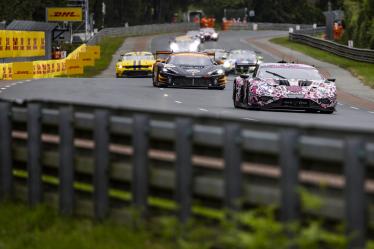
142	158
73	65
142	30
267	26
305	37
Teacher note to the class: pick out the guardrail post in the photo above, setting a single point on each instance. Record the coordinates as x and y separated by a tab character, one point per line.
101	174
140	172
356	210
289	164
6	184
34	144
183	166
66	167
232	172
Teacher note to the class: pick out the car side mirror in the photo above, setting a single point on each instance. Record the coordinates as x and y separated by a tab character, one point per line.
244	76
332	80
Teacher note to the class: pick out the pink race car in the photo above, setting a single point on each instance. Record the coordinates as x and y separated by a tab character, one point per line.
285	86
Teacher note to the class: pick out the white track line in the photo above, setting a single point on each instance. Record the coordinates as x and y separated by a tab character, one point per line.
178	102
166	95
250	119
371	112
340	104
355	108
203	110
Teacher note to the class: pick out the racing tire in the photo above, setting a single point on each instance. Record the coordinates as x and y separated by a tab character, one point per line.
234	96
154	81
329	111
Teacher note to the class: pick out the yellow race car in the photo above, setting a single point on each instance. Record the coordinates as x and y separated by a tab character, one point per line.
135	64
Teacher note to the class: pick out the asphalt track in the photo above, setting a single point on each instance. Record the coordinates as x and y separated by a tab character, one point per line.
139	92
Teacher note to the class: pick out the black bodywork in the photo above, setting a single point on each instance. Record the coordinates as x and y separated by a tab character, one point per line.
166	74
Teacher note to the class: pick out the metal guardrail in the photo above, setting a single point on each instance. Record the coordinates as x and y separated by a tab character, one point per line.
141	30
268	26
130	157
305	36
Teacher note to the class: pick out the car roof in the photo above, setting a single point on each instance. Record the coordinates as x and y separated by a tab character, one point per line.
197	54
214	50
183	38
138	53
286	65
237	51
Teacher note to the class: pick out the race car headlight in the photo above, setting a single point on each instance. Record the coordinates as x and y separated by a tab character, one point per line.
168	70
220	71
173	46
214	35
217	72
226	64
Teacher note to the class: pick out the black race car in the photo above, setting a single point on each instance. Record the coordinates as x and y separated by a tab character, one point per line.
189	70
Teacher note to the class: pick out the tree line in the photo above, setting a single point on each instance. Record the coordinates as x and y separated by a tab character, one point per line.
359	13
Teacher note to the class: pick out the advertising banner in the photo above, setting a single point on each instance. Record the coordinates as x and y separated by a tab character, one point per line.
22	70
64	14
21	44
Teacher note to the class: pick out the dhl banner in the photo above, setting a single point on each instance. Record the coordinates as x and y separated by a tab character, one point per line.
22	70
21	44
64	14
7	71
73	65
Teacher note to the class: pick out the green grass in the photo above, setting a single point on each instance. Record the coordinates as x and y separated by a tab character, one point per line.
108	46
364	71
43	228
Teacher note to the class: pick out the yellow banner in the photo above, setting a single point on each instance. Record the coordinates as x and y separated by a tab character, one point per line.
22	70
21	44
95	51
65	14
74	67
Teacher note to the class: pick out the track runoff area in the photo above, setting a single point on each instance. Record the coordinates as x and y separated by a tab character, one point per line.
139	92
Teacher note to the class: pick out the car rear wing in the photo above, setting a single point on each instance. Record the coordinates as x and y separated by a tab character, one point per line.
162	56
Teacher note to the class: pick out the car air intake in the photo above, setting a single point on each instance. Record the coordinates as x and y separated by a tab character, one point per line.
283	82
305	82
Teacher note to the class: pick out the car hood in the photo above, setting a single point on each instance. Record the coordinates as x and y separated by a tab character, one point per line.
284	88
191	71
135	62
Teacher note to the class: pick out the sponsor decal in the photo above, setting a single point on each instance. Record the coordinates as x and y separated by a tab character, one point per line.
65	14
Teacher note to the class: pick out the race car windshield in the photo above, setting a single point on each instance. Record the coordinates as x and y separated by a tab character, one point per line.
190	60
289	73
192	33
137	57
243	56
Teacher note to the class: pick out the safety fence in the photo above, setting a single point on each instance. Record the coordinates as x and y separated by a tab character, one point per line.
229	25
141	30
73	64
306	37
99	162
21	44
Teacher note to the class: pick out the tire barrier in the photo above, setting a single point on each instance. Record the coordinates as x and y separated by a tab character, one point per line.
73	64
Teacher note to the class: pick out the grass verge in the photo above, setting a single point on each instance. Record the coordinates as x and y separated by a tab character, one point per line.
108	46
43	228
364	71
